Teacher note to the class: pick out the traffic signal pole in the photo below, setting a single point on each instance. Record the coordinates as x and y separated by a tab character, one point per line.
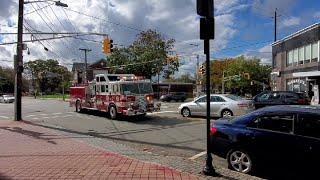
18	65
208	169
205	8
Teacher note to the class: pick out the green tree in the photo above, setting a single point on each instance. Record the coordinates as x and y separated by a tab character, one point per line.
184	78
147	56
251	66
7	80
47	75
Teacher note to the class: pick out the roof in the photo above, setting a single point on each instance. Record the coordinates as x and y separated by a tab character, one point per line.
316	25
291	108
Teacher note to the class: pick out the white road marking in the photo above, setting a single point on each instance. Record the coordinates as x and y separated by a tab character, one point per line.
35	118
31	115
56	113
5	117
198	155
161	112
66	116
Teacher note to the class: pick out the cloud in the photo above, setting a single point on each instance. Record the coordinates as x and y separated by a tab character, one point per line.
291	21
316	15
7	7
264	54
122	20
267	7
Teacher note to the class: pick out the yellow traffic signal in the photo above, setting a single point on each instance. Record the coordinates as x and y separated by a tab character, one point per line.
107	46
202	70
246	76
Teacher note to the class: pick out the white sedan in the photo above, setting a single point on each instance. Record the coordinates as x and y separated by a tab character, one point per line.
221	105
6	99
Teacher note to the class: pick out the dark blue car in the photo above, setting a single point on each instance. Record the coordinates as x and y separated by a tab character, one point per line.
273	137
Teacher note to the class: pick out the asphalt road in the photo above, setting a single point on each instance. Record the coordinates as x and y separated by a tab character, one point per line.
165	132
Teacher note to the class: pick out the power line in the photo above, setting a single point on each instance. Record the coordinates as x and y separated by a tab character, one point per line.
39	9
63	40
74	28
98	18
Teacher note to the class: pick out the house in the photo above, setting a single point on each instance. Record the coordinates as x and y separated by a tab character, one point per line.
295	61
98	67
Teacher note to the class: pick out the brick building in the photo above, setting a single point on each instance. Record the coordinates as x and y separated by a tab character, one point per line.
295	61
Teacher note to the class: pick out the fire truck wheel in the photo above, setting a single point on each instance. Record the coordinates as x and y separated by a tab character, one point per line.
78	106
113	112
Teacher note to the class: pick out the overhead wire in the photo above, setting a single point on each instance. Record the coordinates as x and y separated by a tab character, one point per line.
63	40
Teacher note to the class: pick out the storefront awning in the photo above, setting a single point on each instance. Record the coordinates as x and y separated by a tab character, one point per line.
306	74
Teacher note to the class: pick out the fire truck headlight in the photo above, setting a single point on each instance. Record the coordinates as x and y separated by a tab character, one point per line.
149	99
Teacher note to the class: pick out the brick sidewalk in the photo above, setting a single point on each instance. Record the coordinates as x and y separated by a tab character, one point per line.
33	152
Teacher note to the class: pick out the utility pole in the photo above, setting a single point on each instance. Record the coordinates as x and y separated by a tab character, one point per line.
222	88
18	65
275	25
197	76
85	62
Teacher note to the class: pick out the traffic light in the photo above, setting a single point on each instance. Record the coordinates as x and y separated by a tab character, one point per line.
246	76
205	8
107	46
111	45
202	70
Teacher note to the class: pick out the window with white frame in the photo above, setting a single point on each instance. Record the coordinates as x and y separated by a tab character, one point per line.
314	52
295	57
289	58
301	55
307	53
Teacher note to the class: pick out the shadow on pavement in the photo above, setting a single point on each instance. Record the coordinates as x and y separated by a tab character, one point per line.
4	177
151	120
106	136
29	133
299	172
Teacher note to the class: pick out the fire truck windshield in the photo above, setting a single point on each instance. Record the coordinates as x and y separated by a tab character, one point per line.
136	88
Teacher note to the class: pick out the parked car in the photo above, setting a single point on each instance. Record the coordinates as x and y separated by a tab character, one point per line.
6	99
180	96
269	137
271	98
222	105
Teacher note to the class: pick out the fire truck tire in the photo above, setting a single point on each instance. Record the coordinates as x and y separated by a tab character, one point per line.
78	106
113	112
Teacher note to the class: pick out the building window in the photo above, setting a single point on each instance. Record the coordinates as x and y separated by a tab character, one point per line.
314	52
297	85
301	55
307	53
289	58
295	57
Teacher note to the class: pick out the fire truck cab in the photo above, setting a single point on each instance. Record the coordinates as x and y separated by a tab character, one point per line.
116	94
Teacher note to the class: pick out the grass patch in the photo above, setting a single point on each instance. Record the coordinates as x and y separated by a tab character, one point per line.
55	96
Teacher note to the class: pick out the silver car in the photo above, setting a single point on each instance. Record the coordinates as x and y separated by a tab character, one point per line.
6	99
222	105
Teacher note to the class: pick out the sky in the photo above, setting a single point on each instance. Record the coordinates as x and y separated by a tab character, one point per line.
242	27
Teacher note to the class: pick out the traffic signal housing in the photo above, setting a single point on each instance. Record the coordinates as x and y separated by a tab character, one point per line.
205	8
246	76
202	70
107	46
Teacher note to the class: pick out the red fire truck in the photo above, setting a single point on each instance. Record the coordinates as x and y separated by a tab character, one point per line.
116	94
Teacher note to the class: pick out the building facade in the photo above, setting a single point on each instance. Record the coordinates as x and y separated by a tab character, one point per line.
98	67
295	61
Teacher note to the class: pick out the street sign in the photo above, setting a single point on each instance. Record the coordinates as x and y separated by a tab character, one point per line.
206	28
